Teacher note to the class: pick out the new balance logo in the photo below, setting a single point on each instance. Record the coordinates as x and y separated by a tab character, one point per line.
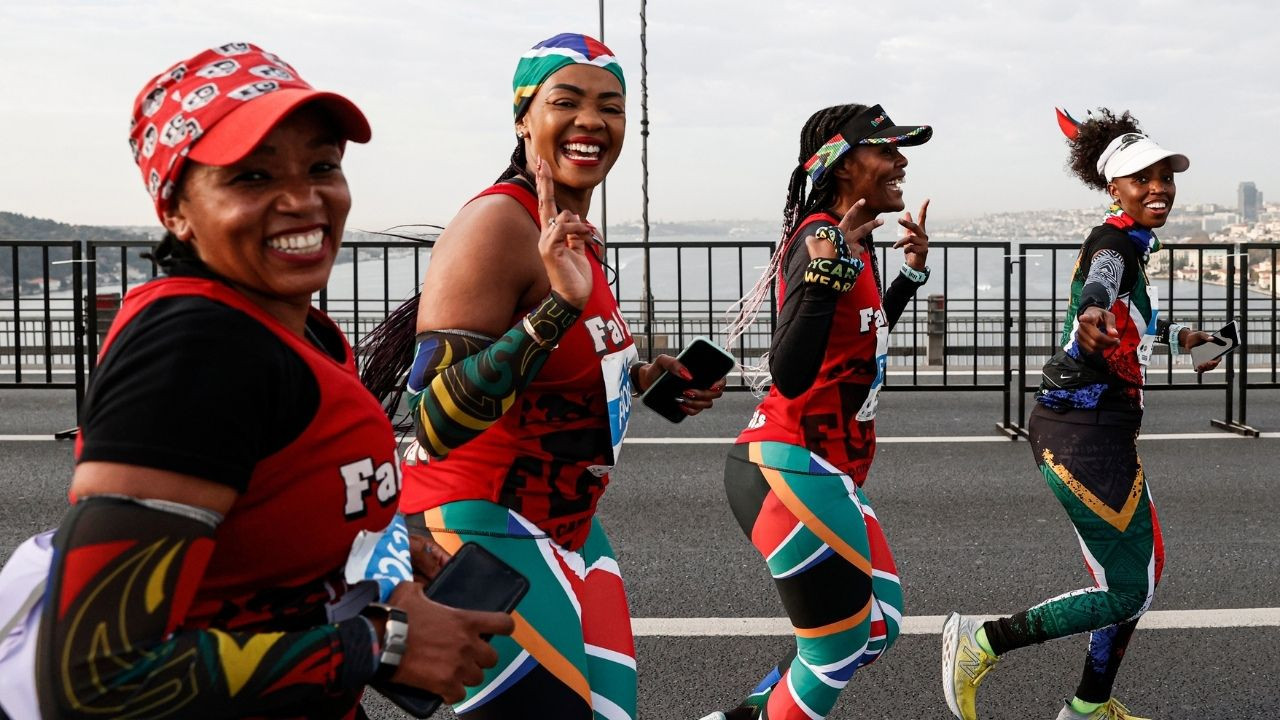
969	662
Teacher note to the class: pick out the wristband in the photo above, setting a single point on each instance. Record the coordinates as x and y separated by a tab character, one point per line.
1174	342
839	274
551	320
633	373
918	277
835	236
394	641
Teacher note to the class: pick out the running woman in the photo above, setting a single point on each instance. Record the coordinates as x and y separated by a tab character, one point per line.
521	388
1084	427
794	479
229	455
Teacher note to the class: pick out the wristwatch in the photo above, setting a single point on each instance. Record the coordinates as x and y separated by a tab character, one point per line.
395	636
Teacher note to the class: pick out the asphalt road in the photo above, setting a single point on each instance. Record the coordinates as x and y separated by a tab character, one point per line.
971	524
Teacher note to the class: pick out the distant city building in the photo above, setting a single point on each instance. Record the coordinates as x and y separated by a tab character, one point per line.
1218	221
1248	201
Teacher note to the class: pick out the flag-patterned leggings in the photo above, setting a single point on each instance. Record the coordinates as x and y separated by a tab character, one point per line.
571	656
833	569
1090	460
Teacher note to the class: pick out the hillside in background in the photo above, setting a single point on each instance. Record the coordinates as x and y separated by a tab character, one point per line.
31	268
14	226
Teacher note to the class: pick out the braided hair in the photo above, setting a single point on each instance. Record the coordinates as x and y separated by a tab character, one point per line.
1095	134
818	129
519	167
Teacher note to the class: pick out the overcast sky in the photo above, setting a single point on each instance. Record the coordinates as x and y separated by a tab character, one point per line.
730	84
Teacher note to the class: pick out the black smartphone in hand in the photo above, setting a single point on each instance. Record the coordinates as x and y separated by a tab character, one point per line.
706	362
473	579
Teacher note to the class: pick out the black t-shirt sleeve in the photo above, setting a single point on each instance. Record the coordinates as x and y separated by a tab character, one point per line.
195	387
804	322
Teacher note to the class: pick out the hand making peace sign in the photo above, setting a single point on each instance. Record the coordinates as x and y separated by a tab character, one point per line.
915	241
563	244
823	248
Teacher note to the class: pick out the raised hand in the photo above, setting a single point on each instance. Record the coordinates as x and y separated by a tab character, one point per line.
914	241
1097	330
563	244
825	248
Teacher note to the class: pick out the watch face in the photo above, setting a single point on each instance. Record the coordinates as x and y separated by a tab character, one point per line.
395	634
395	640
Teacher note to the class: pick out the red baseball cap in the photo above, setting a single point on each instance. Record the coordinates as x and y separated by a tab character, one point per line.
216	107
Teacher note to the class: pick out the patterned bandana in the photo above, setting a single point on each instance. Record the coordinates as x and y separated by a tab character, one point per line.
180	105
1144	238
548	56
869	127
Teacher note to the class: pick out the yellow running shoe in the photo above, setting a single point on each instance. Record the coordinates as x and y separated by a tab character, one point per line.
964	665
1110	710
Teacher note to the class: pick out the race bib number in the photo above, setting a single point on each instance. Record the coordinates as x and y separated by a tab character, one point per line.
1147	344
381	558
869	406
614	368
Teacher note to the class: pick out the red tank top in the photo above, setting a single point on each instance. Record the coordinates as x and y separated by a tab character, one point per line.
293	527
835	417
549	456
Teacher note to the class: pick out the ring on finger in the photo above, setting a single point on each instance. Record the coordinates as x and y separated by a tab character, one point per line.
551	222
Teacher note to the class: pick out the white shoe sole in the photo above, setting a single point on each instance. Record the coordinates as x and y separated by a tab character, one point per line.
950	645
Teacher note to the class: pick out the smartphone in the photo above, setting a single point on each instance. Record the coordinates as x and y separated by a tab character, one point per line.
474	579
1221	343
706	361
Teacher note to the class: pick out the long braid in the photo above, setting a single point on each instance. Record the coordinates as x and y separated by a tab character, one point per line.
386	354
519	166
817	130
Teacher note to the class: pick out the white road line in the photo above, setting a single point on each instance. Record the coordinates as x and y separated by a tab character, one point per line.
24	438
932	624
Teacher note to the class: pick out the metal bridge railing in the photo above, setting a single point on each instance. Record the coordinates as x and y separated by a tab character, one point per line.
30	339
986	321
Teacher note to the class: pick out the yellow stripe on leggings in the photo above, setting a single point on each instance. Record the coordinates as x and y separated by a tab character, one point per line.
1118	519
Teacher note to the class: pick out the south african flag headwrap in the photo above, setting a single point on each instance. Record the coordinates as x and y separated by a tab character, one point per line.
548	56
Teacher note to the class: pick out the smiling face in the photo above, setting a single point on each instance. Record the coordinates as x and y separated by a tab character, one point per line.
875	172
1147	195
271	223
576	123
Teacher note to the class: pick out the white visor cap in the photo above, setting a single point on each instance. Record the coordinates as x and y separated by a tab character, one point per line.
1132	152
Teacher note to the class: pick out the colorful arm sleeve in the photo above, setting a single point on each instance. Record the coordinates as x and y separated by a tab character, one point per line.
458	386
124	574
1102	284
